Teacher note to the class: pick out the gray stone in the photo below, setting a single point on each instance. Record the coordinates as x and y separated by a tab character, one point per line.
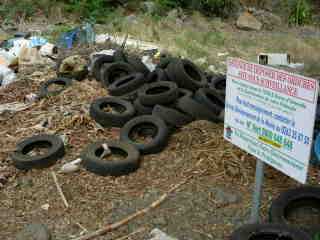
34	232
248	22
269	20
225	197
149	7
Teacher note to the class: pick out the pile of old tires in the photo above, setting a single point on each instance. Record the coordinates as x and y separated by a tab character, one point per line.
293	215
149	106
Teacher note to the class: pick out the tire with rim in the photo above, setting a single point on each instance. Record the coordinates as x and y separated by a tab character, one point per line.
290	200
146	126
211	99
112	72
158	93
120	111
44	88
171	116
196	110
55	150
127	84
91	158
269	232
187	75
97	64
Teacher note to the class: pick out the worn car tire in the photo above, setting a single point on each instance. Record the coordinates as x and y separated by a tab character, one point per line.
97	64
111	119
211	99
142	109
218	83
120	56
156	76
44	91
268	231
127	84
186	74
138	65
150	126
295	198
172	117
184	93
112	72
25	162
196	110
92	162
158	93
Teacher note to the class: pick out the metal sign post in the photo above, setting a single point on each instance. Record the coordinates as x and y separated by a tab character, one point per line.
257	193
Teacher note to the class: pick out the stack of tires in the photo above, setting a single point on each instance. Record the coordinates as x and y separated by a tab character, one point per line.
294	215
150	105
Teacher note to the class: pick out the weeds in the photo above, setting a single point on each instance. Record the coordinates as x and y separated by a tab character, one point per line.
300	12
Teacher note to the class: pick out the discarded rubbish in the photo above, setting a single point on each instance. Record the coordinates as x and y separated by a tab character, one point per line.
71	166
45	206
142	45
106	150
30	98
83	35
7	76
157	234
8	59
278	59
48	50
73	67
147	60
37	42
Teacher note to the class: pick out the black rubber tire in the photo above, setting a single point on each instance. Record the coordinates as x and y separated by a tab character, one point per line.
291	199
120	56
92	162
184	93
267	231
112	72
127	84
44	91
97	64
156	76
165	61
23	161
172	117
186	75
158	93
147	123
218	83
211	99
112	119
142	109
196	110
138	65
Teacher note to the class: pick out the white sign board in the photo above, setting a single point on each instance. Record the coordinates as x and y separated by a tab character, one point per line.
270	114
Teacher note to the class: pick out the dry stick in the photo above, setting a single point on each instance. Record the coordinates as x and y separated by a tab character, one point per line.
59	189
131	234
116	225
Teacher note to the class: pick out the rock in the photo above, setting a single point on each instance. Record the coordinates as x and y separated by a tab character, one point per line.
157	234
225	197
248	22
269	20
148	7
34	232
73	67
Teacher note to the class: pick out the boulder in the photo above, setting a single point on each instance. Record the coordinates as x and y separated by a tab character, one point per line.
248	22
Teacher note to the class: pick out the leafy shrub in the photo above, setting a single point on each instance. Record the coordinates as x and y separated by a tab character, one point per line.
300	12
210	7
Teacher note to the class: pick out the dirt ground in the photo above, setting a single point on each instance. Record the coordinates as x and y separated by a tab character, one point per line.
215	201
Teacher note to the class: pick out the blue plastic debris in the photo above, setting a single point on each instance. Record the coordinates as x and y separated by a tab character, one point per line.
315	160
37	42
84	34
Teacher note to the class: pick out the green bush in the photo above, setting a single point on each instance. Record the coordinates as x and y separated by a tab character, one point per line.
300	12
210	7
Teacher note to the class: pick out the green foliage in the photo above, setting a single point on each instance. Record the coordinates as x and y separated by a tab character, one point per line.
211	7
300	12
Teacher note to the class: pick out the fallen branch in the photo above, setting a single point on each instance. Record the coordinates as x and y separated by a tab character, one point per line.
131	234
54	176
116	225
